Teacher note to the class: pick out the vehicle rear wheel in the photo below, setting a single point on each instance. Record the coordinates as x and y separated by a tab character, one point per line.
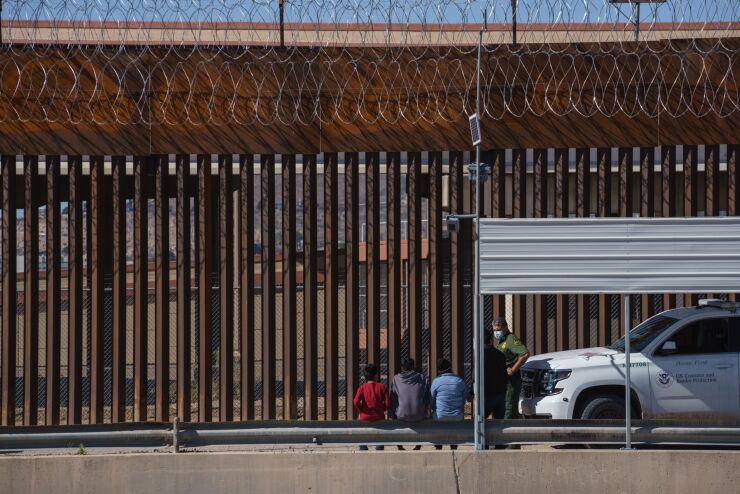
604	407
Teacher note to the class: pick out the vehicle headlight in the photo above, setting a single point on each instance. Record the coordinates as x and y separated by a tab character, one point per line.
549	380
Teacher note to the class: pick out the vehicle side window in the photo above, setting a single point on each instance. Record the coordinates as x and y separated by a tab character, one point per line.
735	334
705	336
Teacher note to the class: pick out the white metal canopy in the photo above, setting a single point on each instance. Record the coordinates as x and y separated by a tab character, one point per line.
610	255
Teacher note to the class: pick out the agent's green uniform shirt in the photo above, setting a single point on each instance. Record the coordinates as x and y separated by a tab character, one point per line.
512	348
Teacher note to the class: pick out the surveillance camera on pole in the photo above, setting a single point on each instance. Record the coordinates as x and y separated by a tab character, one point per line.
478	172
453	224
453	221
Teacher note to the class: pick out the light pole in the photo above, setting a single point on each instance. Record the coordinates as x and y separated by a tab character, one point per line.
636	12
477	174
479	402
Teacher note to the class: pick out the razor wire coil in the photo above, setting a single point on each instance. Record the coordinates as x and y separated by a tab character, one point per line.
349	62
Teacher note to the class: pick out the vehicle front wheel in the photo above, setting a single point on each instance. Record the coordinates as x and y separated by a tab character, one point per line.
604	407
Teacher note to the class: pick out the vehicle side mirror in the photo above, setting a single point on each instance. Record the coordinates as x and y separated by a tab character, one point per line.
668	348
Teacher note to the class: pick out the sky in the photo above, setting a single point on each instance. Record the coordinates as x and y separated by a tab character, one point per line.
375	11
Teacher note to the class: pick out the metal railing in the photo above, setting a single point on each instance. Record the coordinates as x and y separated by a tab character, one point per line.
179	435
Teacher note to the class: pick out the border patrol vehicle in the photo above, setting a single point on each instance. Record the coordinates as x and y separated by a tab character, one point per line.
684	363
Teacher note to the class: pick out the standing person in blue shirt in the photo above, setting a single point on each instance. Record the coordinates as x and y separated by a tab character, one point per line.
448	393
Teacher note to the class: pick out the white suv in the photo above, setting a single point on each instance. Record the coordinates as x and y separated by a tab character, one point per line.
684	363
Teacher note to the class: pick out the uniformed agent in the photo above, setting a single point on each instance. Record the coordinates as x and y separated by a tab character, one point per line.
516	354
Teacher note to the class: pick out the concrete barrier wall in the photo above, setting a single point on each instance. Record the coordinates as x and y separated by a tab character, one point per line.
375	472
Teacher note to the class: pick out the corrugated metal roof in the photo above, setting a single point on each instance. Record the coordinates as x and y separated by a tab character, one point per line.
610	255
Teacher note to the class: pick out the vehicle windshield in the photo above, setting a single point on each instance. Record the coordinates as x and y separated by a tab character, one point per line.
644	333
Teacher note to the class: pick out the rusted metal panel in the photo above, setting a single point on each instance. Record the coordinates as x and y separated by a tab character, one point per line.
733	188
498	210
647	209
668	179
711	165
647	182
226	288
10	290
205	299
458	253
690	177
141	288
310	301
184	279
561	211
690	195
415	297
435	260
498	183
604	182
331	289
711	189
53	292
267	167
246	283
733	179
519	210
540	211
441	94
603	334
30	293
625	182
290	348
98	266
668	199
519	183
540	188
352	277
74	413
395	263
561	183
603	204
161	290
372	172
583	210
118	411
583	183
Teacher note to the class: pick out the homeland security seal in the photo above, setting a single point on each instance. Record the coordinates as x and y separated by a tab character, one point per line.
664	379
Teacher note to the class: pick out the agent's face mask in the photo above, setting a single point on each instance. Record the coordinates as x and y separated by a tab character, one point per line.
498	333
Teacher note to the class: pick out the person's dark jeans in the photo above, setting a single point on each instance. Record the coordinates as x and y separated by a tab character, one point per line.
496	406
513	389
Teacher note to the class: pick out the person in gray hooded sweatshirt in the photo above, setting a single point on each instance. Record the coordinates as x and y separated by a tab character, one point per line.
409	395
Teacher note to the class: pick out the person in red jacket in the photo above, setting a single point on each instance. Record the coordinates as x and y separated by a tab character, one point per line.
372	399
